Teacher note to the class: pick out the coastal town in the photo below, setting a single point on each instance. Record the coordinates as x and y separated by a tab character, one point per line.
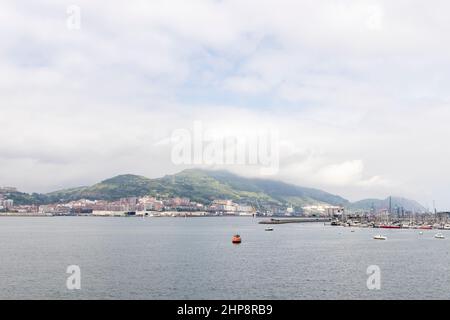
158	207
184	207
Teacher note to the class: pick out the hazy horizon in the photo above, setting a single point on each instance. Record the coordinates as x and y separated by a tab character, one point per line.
356	91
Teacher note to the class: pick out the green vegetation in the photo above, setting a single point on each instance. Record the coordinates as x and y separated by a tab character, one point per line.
25	198
204	186
199	185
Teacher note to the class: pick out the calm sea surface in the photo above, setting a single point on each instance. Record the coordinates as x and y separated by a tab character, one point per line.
177	258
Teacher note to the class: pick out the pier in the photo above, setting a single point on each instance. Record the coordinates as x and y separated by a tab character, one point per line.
294	220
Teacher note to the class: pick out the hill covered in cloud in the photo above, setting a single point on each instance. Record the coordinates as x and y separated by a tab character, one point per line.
205	186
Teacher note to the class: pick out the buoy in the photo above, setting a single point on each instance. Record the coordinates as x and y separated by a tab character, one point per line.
236	239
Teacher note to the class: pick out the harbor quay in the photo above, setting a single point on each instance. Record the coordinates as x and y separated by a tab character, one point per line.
423	221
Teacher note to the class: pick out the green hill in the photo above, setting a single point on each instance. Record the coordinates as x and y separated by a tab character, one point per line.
198	185
204	186
111	189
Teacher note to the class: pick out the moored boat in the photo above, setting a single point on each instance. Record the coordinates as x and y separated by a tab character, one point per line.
380	237
439	236
390	226
335	223
364	225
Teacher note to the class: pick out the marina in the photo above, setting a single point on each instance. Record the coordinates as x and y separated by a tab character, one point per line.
430	224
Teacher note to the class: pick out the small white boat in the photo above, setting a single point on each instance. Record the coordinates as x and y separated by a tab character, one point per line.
380	237
421	233
269	229
439	236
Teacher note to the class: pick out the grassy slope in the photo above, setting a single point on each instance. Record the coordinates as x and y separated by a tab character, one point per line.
198	185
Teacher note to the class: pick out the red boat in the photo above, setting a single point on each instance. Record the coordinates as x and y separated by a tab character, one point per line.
390	227
426	227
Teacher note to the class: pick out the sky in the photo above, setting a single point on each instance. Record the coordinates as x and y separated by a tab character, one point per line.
356	91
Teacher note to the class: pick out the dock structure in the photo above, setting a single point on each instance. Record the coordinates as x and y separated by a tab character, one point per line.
294	220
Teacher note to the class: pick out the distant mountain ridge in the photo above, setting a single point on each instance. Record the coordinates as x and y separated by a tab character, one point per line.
394	202
204	186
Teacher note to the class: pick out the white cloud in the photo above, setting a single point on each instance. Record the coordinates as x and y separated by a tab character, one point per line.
246	84
357	89
342	174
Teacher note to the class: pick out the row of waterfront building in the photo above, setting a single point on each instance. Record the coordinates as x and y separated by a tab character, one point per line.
148	205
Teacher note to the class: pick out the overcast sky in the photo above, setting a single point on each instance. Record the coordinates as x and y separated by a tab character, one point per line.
357	90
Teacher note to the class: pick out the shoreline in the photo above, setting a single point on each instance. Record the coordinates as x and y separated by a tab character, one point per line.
2	215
